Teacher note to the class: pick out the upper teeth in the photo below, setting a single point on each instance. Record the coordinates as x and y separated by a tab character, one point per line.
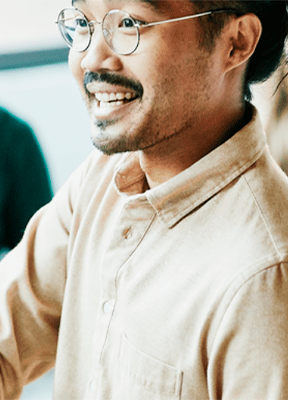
105	96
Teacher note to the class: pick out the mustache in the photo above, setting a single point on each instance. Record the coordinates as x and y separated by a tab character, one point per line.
112	79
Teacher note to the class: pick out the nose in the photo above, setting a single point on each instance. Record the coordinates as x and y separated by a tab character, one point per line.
99	56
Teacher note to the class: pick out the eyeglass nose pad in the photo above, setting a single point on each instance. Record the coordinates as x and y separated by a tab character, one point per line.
106	32
108	36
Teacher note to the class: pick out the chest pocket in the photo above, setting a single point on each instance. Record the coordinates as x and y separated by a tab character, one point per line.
144	378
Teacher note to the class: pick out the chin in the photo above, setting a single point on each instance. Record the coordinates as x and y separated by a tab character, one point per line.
110	144
114	136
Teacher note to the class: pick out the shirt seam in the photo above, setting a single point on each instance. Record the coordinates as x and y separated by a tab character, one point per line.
236	174
276	264
240	286
262	216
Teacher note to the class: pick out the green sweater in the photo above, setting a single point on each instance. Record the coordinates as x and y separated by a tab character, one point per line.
24	181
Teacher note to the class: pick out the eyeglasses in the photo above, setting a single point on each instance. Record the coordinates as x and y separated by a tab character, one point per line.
121	31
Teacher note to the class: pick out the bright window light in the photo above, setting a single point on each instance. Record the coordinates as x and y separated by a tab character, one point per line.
28	25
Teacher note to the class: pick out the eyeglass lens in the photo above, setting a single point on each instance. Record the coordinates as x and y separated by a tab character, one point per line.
119	30
74	29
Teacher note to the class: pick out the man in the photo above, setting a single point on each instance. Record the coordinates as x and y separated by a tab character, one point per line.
24	181
160	273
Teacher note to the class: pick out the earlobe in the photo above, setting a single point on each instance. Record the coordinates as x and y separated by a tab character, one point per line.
244	34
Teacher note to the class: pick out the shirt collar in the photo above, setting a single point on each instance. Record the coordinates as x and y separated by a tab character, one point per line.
177	197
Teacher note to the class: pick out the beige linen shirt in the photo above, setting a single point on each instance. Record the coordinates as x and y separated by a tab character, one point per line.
179	292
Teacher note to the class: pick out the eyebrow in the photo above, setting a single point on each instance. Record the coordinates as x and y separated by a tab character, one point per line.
77	1
153	3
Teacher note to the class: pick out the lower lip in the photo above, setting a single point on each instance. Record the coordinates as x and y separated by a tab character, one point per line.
111	112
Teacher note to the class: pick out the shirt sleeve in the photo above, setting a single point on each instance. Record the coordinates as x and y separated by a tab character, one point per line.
249	360
32	285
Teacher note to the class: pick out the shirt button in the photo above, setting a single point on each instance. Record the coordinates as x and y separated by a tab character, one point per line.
92	385
127	233
106	307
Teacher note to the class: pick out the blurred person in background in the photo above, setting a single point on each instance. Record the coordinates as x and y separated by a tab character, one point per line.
160	269
276	124
24	181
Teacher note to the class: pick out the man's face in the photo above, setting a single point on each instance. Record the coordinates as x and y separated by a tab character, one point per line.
165	88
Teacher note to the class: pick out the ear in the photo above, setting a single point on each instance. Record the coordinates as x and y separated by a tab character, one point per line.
243	35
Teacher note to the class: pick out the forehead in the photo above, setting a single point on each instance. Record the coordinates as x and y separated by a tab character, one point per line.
152	3
161	9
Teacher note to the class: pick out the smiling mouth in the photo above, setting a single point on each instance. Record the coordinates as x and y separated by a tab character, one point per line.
111	99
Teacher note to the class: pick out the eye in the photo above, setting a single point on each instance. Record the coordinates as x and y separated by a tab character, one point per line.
126	23
81	24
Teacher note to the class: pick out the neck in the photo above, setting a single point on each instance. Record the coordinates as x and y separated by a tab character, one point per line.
172	156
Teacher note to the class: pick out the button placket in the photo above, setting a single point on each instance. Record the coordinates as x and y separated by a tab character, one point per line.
116	256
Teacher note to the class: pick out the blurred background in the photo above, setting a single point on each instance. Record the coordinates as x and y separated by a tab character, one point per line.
36	86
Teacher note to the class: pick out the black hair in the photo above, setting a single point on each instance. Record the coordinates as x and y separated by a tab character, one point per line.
270	49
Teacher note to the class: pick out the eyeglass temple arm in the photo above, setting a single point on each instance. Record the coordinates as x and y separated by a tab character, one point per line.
144	25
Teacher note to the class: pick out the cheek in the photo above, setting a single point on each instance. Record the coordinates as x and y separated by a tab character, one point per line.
75	66
165	63
165	80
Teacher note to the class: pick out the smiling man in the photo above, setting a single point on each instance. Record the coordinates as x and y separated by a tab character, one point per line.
159	270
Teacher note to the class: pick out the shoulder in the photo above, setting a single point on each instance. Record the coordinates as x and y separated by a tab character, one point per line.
249	355
268	187
10	122
95	174
17	134
97	168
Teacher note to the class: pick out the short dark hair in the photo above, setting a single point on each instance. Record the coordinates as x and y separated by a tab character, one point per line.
270	49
